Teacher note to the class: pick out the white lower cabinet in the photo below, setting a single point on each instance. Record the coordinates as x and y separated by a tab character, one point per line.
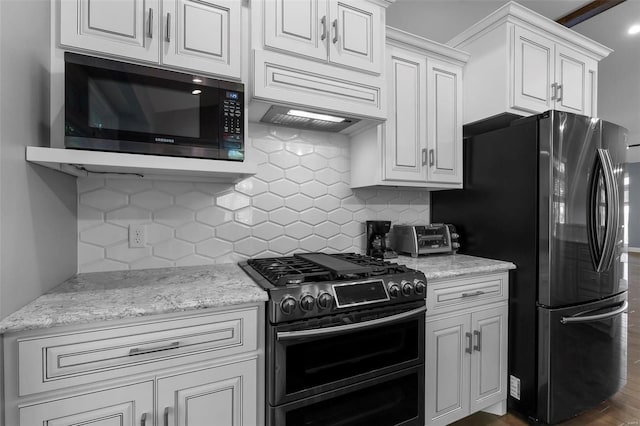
466	349
173	370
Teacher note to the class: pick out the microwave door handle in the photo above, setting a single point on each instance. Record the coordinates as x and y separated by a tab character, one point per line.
317	332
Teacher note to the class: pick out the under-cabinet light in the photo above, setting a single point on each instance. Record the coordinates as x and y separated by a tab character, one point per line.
196	92
314	116
197	80
634	29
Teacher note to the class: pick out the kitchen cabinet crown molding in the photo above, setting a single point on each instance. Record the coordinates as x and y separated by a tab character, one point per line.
407	40
515	13
81	163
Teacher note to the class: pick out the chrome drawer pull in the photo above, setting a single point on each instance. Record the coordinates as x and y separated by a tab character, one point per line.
142	351
478	336
475	293
323	21
166	416
469	342
143	419
150	28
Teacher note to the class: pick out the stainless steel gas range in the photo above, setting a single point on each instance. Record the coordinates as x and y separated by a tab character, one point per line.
345	340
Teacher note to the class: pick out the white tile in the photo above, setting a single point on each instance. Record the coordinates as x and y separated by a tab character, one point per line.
173	250
194	200
284	133
267	144
340	242
283	245
398	207
156	233
298	230
353	229
328	176
103	266
267	231
267	202
340	190
230	257
89	217
283	188
412	217
250	216
213	248
173	187
252	186
214	216
299	174
103	199
269	173
130	186
352	204
340	164
283	216
284	159
299	148
152	200
88	253
361	216
194	260
128	215
194	232
173	216
327	203
313	216
326	229
104	235
314	162
340	216
313	189
122	253
298	202
212	188
233	201
313	243
232	231
151	262
328	151
88	184
250	246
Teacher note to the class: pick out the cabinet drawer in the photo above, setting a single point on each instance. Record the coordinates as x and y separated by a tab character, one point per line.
60	360
460	293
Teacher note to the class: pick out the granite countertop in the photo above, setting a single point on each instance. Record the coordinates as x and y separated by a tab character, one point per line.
442	266
102	296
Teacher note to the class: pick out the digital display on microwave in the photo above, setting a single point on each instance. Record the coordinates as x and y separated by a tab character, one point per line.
141	108
233	95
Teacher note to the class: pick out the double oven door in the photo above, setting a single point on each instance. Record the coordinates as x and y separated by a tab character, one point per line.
353	369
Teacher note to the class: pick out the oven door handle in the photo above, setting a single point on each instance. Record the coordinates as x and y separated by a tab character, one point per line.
316	332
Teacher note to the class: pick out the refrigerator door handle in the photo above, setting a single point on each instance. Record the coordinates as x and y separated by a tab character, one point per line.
586	318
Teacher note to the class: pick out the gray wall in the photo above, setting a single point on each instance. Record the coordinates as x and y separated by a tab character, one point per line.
37	205
634	205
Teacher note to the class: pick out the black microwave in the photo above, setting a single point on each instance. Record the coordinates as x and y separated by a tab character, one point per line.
122	107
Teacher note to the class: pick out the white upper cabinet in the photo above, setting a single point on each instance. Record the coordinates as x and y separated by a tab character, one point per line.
202	36
523	63
349	34
420	145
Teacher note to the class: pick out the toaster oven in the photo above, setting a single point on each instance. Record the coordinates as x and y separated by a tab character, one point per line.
424	239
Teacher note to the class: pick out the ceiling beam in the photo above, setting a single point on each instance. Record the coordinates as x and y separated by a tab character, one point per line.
588	11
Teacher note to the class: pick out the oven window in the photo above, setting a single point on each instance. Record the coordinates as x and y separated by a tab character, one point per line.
387	403
311	363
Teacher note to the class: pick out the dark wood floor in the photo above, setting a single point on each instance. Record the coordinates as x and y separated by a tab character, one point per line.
624	407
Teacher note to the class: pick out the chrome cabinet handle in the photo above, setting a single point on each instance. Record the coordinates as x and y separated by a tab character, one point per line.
315	332
150	28
478	336
424	156
143	419
142	351
554	91
323	21
475	293
335	29
469	342
168	36
559	98
586	318
166	416
432	160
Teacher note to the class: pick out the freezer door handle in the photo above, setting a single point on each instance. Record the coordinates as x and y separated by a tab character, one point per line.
580	317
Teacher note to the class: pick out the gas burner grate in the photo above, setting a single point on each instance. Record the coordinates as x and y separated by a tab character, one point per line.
291	270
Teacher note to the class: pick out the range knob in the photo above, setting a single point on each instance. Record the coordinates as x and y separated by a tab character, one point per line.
454	235
288	305
325	300
394	289
307	302
407	288
420	286
455	245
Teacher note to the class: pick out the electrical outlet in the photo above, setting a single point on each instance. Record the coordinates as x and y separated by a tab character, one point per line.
137	236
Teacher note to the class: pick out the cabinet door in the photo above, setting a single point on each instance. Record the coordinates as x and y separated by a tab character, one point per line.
202	35
444	123
123	406
297	26
489	360
447	369
533	72
405	129
125	28
357	35
224	396
573	80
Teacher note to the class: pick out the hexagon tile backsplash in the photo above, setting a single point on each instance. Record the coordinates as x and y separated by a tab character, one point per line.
300	200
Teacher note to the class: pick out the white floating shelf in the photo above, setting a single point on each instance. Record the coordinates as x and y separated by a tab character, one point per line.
82	163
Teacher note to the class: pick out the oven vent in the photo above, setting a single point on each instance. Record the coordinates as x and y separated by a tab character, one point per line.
280	115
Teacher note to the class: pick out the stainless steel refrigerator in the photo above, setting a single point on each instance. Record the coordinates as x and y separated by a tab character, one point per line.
546	192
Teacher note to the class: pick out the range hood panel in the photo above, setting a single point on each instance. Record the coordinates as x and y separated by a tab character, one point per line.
278	115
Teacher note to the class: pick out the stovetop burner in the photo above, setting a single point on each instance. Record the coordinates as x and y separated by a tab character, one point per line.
319	267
